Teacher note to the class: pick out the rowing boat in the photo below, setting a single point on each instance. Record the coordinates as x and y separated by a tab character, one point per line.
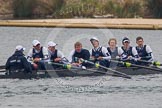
54	74
80	72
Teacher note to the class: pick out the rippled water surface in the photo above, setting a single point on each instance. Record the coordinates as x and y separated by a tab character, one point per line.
81	92
78	92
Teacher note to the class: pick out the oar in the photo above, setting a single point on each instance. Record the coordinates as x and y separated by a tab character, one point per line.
70	67
2	70
155	63
127	64
109	69
76	69
2	67
66	66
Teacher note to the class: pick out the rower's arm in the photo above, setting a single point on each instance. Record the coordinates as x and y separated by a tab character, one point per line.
135	53
149	52
8	64
106	54
90	51
70	57
30	54
60	54
45	53
121	53
26	65
87	55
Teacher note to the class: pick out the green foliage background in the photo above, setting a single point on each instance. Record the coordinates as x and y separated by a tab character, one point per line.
86	8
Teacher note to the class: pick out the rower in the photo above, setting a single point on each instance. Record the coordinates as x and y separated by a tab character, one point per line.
112	48
114	51
38	54
17	62
77	54
144	51
98	53
128	52
55	55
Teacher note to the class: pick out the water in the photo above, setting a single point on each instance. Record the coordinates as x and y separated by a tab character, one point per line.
81	92
78	92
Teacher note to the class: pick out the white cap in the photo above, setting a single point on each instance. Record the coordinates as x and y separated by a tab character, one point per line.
51	43
19	48
125	39
35	42
94	38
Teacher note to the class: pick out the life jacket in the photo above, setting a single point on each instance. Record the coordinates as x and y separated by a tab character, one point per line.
97	53
81	54
127	52
53	55
39	54
15	62
114	53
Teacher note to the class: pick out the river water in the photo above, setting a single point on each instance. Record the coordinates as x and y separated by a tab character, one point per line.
78	92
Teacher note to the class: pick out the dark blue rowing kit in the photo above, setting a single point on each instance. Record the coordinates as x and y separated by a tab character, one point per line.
18	63
53	55
38	54
143	53
84	54
98	53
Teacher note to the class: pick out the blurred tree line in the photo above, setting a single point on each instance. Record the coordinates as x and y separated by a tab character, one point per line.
155	7
86	8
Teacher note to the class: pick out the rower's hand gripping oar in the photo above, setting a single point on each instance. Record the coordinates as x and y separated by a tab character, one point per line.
97	65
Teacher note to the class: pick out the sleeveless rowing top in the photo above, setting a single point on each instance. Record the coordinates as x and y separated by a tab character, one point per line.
113	53
97	53
53	55
39	54
128	52
142	52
